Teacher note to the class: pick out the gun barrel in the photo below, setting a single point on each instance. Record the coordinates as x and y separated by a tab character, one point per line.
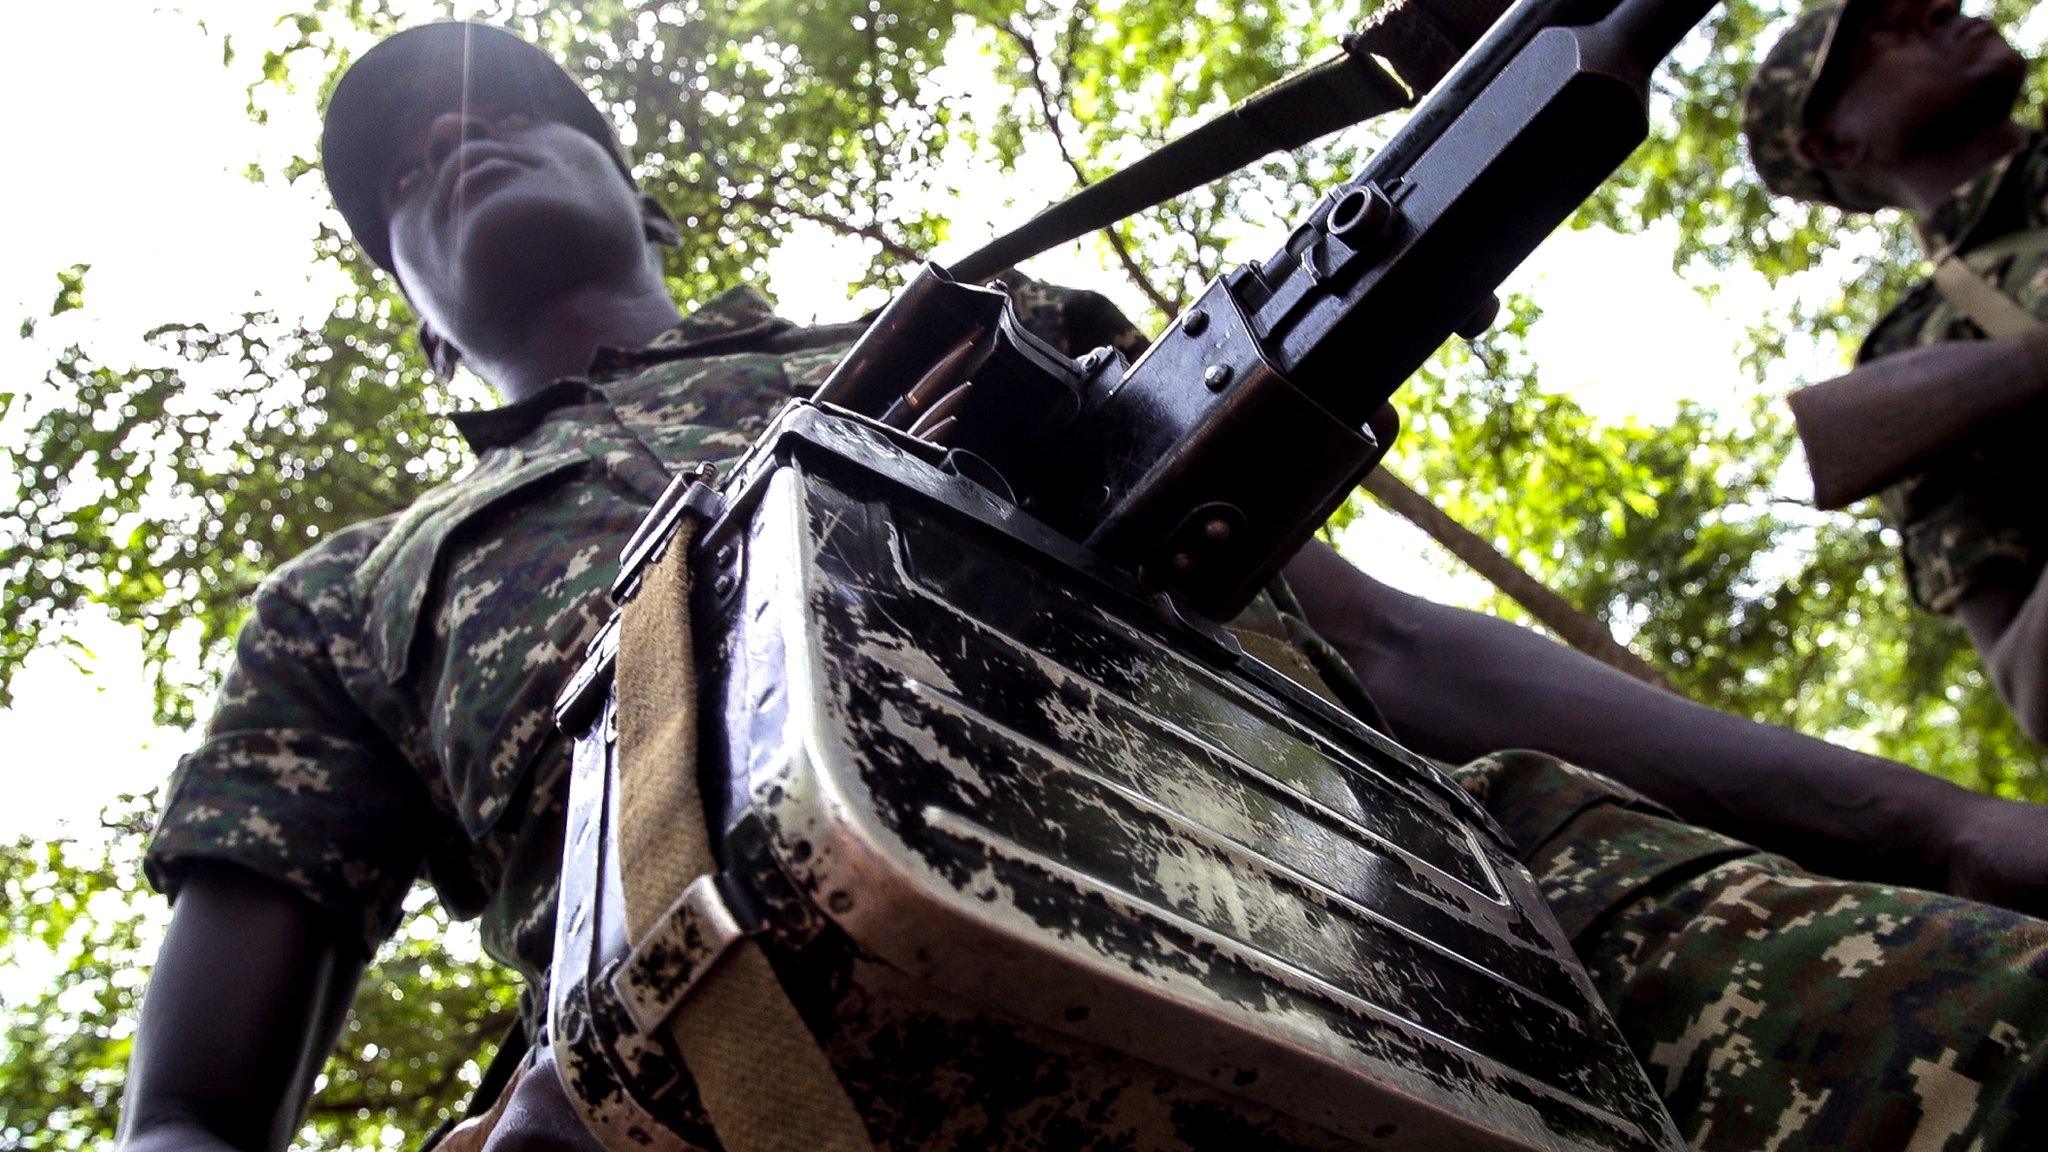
1349	313
1477	69
1647	30
1238	432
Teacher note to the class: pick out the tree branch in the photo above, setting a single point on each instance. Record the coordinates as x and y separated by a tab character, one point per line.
1049	106
1572	626
891	245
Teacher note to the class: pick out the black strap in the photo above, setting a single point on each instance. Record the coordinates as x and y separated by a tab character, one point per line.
1424	41
1347	87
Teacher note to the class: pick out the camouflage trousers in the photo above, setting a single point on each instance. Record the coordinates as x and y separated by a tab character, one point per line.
1774	1009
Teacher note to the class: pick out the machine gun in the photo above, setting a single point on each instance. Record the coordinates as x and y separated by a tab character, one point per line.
968	771
1207	464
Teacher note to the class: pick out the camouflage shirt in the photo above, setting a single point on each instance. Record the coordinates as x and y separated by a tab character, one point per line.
1970	513
388	714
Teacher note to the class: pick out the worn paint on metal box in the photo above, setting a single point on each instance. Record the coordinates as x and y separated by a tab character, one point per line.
1045	867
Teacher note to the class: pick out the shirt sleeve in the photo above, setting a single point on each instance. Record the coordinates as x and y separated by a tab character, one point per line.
1074	320
292	780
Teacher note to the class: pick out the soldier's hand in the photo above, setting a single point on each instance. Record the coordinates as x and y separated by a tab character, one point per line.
1998	853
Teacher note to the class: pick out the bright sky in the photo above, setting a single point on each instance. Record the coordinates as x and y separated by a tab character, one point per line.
127	137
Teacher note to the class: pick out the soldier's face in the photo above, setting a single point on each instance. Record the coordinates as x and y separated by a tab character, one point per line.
493	212
1922	77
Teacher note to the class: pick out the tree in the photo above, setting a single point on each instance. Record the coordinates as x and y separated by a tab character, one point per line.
162	490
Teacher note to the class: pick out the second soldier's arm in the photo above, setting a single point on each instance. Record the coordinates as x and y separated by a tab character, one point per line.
2006	616
1457	685
1887	419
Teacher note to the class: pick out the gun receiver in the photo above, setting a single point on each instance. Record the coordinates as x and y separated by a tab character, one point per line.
1204	466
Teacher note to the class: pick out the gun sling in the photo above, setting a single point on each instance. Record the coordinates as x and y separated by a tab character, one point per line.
1351	85
1986	304
733	1023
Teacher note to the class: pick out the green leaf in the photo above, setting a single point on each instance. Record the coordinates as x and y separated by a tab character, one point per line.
149	484
70	290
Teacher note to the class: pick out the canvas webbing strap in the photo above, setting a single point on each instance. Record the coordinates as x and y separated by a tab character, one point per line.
1999	315
1986	304
1419	39
764	1082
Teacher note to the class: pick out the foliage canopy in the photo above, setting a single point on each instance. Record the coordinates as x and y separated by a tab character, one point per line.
161	491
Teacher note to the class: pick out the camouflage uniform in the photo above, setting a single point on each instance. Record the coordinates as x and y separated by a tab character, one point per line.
388	714
1968	514
1777	1009
388	717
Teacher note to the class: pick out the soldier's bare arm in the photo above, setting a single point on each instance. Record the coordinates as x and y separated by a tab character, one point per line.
248	994
1461	685
1873	427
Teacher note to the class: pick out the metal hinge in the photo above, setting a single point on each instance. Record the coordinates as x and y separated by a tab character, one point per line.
689	495
581	700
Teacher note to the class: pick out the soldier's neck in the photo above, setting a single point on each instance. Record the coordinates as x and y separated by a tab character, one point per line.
1926	182
559	339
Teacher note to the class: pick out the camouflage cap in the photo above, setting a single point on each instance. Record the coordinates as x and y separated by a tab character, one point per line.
1775	109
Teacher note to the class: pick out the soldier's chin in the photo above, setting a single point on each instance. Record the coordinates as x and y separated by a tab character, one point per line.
1998	80
519	243
1985	103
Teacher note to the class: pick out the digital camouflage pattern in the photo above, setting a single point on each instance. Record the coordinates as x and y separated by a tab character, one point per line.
388	715
388	718
1975	512
1776	1009
1774	109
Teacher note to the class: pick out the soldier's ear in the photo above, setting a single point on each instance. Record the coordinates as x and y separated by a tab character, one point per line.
441	355
1828	150
659	226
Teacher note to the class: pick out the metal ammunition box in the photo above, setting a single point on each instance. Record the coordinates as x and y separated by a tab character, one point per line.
1046	865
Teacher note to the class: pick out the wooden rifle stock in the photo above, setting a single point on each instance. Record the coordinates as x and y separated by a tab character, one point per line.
1890	418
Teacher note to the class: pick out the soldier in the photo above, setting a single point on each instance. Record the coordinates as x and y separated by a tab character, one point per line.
388	713
1907	104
